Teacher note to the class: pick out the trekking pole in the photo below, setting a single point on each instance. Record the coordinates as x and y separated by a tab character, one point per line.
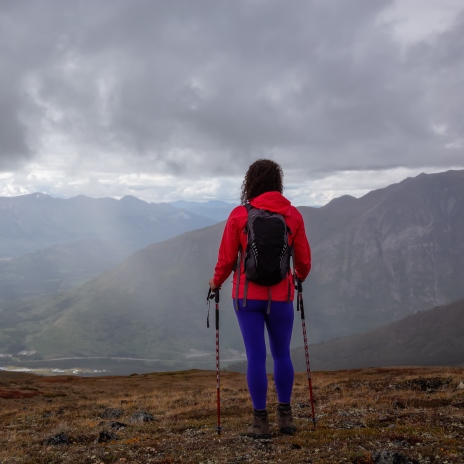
300	307
215	294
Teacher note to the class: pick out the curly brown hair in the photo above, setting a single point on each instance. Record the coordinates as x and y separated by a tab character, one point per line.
262	176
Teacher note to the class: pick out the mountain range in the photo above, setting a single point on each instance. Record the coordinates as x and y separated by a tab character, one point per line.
376	259
29	223
51	244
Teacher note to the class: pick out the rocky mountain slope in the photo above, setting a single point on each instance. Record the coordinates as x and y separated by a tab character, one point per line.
388	254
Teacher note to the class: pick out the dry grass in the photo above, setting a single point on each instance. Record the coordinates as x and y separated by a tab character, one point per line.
415	412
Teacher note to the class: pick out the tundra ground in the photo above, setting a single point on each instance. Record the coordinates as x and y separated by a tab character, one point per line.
364	416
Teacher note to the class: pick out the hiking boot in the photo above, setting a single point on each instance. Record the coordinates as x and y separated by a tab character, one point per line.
285	419
260	426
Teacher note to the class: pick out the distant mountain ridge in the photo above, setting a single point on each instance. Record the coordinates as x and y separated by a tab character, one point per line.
376	259
213	209
32	222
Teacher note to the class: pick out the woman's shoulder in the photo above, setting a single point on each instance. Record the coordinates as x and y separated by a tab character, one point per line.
238	216
238	211
294	213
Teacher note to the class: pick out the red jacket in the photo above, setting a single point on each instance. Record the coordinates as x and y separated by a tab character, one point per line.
234	236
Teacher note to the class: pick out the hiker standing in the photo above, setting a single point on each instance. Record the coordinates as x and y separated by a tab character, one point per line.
260	305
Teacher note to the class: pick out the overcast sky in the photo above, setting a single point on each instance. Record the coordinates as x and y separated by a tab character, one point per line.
169	100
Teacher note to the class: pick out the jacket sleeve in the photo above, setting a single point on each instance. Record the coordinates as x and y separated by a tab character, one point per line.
228	250
301	252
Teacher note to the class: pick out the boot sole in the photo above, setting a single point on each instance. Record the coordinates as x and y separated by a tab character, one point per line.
256	436
288	430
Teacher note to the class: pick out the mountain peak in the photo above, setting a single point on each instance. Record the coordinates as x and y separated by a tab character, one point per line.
343	200
37	195
131	199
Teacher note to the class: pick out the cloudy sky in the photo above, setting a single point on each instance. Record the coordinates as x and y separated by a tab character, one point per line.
170	100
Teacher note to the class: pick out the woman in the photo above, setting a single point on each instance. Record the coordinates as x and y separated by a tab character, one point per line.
262	188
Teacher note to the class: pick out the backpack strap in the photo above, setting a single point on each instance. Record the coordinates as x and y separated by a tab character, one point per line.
237	282
239	264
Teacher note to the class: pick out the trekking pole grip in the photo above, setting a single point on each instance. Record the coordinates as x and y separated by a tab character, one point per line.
212	294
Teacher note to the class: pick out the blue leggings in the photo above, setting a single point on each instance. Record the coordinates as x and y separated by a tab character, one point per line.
279	324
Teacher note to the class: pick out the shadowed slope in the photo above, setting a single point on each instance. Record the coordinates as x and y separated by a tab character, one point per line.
430	338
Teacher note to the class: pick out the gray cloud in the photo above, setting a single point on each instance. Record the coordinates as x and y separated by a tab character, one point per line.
192	87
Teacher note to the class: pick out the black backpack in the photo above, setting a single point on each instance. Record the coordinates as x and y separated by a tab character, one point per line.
268	253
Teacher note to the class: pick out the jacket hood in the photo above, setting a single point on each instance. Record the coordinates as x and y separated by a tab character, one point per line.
272	201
